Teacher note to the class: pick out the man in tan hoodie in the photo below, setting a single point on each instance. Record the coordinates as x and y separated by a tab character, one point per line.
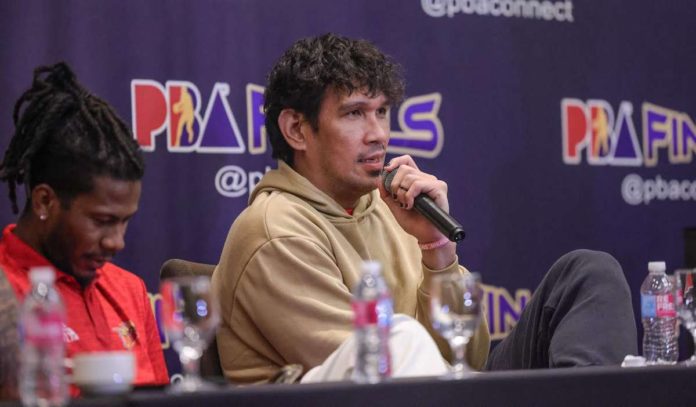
292	257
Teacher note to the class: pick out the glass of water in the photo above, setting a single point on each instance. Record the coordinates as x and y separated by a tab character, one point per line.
456	302
190	316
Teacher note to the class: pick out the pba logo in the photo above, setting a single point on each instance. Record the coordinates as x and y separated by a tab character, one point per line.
176	109
610	138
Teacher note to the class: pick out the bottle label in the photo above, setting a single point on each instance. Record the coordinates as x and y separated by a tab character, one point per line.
364	313
657	306
43	329
665	305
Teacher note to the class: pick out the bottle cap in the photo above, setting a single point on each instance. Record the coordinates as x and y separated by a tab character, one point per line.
371	266
42	274
657	267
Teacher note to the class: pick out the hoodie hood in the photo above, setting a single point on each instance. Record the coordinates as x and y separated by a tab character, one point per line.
287	180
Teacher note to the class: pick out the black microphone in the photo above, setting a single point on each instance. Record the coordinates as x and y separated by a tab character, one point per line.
444	222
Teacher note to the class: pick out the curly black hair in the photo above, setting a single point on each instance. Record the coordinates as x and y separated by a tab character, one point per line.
64	137
301	76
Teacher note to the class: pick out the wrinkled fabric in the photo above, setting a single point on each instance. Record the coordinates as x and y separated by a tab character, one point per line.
112	313
286	271
413	354
580	315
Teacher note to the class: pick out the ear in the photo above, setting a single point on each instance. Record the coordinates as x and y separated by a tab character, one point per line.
44	201
294	127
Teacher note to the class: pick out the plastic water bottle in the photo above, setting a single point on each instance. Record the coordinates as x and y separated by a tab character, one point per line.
660	329
42	380
373	310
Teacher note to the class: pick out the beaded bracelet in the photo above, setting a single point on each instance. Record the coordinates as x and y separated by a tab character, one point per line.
434	245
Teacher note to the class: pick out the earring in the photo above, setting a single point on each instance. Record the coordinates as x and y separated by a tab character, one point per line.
42	216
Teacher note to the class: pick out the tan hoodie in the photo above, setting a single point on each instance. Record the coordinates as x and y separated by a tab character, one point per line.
287	270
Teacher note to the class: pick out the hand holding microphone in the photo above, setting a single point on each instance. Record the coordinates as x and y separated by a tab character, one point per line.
443	221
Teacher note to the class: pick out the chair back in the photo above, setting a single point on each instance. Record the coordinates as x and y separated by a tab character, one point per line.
210	360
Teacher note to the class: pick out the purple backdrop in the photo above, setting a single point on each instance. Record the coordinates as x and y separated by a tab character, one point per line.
557	125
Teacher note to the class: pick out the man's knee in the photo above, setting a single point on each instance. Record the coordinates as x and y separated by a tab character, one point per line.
405	325
592	265
414	353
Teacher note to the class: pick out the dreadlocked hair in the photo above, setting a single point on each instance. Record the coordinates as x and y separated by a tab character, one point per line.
64	137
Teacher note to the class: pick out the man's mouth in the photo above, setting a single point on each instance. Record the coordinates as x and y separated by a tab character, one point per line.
372	159
95	263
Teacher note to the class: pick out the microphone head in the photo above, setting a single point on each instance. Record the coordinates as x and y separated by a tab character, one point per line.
387	178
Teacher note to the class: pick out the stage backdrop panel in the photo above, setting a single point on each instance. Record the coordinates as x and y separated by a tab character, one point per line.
557	124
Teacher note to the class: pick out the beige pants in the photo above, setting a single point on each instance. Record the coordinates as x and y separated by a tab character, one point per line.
413	353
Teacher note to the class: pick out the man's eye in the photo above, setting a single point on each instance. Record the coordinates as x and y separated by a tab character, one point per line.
382	111
102	221
355	113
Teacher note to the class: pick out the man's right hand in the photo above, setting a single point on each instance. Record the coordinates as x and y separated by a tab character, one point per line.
407	184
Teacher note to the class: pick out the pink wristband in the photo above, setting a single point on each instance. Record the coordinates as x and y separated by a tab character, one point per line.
434	245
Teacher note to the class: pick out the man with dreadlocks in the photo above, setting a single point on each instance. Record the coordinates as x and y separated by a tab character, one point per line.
82	171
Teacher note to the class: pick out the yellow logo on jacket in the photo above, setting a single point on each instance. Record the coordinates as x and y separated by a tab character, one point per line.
126	331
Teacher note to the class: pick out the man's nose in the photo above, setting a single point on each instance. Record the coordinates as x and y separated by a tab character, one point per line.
114	240
377	129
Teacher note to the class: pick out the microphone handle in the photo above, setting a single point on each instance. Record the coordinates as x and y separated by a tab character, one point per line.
441	219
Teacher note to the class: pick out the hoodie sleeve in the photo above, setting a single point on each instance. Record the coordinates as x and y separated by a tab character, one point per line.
292	282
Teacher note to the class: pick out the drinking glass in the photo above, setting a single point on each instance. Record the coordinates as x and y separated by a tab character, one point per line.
190	316
456	313
686	304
